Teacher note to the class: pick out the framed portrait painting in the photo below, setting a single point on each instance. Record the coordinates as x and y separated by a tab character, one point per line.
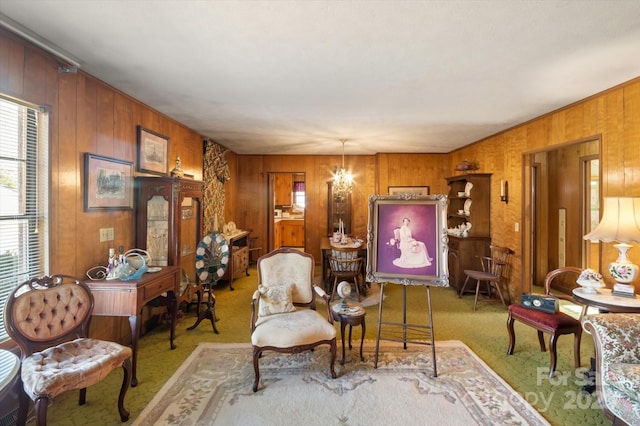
407	239
153	152
108	183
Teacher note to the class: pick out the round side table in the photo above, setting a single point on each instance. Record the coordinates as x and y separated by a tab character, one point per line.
9	372
606	301
352	315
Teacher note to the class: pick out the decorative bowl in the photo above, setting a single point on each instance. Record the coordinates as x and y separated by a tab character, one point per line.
590	281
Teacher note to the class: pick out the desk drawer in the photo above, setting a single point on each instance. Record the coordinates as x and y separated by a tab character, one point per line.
240	259
156	287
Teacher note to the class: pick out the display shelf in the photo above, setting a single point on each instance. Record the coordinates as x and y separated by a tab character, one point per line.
469	201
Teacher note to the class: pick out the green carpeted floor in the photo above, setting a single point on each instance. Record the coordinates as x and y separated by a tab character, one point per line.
484	331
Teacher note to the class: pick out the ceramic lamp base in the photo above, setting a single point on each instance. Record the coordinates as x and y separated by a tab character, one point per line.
623	290
624	272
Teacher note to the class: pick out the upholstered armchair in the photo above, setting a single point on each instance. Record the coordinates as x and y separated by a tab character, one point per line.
283	309
617	341
48	318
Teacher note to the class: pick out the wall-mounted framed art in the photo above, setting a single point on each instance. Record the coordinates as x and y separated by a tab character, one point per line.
153	152
417	190
108	183
407	239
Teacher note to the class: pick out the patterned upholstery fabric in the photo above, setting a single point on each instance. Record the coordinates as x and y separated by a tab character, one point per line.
43	316
72	365
275	300
282	269
616	337
296	331
302	327
625	378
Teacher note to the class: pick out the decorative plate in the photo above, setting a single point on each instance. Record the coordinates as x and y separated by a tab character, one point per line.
212	257
344	289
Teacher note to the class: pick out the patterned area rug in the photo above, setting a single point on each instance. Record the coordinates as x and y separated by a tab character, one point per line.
213	386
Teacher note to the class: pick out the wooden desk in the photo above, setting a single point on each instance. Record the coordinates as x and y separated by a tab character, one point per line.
127	298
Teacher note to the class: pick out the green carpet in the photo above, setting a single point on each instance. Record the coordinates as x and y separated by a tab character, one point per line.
559	400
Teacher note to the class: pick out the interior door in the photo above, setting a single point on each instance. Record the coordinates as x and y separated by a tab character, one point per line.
562	195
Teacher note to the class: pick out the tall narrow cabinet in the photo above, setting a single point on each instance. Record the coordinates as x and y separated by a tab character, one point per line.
338	209
469	201
169	221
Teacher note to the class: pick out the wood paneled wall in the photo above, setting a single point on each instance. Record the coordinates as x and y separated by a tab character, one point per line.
90	116
611	116
372	175
87	115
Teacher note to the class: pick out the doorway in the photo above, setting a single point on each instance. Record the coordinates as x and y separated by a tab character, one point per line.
562	204
287	210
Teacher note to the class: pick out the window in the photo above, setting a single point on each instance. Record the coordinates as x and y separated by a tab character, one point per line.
24	186
298	194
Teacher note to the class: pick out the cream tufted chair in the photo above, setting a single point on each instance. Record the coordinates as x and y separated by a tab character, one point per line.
283	309
48	318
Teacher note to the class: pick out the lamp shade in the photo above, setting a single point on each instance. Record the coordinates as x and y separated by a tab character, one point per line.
620	221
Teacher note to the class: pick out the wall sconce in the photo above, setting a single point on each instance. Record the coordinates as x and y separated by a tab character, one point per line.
504	191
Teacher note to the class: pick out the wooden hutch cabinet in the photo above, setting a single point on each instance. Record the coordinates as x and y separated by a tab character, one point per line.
469	201
169	221
338	208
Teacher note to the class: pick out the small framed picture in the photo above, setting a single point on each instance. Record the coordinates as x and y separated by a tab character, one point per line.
153	152
187	213
108	183
407	240
417	190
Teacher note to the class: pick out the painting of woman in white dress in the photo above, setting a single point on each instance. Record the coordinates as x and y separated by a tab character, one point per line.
413	253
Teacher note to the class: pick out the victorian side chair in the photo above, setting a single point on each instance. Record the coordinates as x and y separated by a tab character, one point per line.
48	317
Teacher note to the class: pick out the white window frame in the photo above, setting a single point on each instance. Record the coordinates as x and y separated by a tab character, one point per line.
24	189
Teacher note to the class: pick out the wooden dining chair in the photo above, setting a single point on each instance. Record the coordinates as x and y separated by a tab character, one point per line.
492	273
346	265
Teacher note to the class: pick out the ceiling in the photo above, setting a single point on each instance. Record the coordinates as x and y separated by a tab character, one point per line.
296	77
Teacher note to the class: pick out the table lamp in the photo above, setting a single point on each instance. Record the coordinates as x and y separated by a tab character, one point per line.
621	223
